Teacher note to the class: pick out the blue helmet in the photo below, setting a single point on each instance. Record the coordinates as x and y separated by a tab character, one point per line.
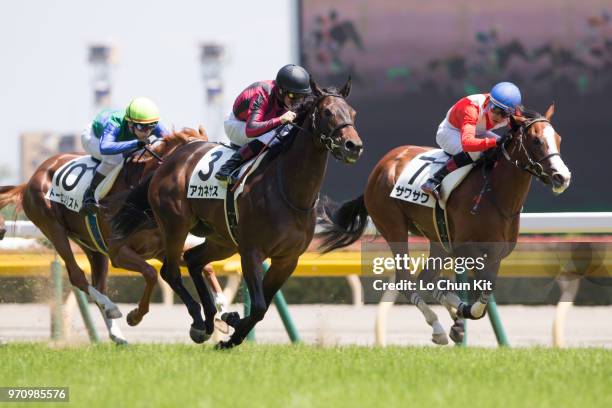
506	95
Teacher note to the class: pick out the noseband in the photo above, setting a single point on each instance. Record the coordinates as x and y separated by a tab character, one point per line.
327	139
533	167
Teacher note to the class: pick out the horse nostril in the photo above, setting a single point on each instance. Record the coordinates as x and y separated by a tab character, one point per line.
558	179
352	146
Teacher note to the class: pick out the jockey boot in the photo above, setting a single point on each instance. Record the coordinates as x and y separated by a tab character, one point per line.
432	185
89	200
242	155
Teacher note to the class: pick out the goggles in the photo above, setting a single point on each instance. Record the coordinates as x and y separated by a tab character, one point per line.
500	111
294	96
145	126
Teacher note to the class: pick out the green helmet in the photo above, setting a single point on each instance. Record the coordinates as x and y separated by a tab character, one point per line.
142	110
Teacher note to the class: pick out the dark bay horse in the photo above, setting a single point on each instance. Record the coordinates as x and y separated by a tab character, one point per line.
60	224
530	148
277	217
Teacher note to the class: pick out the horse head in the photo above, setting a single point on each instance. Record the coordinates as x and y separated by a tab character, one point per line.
332	122
534	146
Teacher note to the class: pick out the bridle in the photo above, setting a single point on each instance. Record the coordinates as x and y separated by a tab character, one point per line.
326	138
533	167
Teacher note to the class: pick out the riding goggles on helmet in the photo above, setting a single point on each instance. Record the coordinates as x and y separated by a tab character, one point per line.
145	126
504	113
294	96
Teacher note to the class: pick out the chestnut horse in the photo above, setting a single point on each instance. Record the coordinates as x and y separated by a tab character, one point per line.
60	224
530	148
277	217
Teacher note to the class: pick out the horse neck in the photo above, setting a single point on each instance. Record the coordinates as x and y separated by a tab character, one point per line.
303	169
142	168
510	187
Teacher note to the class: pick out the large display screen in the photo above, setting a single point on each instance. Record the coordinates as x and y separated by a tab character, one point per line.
411	60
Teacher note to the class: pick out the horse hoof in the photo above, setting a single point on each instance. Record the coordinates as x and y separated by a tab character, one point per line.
198	335
231	318
224	345
456	335
457	332
113	313
133	318
119	340
439	339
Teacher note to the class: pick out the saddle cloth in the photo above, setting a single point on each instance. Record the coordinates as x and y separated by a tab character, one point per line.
423	166
202	182
72	179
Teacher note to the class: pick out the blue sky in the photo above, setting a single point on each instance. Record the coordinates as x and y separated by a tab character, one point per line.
45	78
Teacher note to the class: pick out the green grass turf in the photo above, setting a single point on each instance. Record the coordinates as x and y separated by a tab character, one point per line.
253	375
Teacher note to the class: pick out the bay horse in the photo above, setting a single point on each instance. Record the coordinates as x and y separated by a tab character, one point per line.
277	208
60	224
530	148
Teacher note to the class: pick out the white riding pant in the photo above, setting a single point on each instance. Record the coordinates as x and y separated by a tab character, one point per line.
235	129
91	144
449	139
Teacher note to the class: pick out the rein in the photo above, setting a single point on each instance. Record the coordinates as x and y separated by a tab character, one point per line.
145	149
533	167
325	138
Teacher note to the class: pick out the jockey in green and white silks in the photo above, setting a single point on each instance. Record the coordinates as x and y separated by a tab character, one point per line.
115	133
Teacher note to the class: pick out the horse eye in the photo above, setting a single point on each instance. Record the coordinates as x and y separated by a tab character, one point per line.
537	141
327	112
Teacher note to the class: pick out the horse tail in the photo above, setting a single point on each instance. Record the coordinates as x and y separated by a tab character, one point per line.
135	212
342	226
12	195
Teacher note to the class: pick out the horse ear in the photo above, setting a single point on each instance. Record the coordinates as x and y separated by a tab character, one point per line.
346	90
550	111
516	121
315	88
202	132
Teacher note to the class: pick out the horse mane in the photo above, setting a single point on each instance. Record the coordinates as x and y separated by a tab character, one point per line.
131	204
529	113
304	108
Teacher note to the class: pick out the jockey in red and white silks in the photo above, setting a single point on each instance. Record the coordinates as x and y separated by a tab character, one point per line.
467	129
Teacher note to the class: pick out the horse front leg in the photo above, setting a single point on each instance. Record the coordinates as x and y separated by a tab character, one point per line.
252	271
485	279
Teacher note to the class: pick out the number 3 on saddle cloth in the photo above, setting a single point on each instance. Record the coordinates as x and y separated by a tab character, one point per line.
203	184
408	187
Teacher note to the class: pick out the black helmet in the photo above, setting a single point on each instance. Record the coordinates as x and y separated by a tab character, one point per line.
293	78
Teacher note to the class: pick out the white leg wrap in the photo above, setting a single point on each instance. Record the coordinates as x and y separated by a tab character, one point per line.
478	309
220	302
114	331
108	308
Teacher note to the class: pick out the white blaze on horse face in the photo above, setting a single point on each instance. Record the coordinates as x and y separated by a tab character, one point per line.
556	163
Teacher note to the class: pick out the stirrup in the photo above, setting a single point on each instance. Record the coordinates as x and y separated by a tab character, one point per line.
432	187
